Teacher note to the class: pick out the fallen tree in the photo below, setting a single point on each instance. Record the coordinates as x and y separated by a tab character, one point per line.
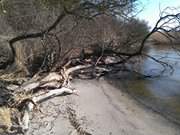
25	97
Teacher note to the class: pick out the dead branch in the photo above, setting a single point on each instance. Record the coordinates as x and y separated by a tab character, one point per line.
24	122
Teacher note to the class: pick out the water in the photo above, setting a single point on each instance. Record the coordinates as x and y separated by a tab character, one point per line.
161	94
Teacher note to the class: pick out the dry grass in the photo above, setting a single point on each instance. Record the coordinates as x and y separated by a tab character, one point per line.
13	78
5	119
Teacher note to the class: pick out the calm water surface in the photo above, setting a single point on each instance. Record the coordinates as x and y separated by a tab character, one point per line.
162	94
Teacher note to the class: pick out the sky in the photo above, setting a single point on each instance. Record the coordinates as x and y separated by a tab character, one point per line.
151	10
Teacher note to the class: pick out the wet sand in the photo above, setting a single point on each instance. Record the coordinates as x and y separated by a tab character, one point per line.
100	109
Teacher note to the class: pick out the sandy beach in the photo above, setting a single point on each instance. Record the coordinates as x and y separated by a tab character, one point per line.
98	109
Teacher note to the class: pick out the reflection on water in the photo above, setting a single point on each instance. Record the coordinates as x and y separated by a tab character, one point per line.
162	93
167	85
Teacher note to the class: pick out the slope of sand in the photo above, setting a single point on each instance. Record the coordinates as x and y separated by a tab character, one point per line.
100	109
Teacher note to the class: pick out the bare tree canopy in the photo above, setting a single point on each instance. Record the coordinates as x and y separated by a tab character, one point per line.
27	17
